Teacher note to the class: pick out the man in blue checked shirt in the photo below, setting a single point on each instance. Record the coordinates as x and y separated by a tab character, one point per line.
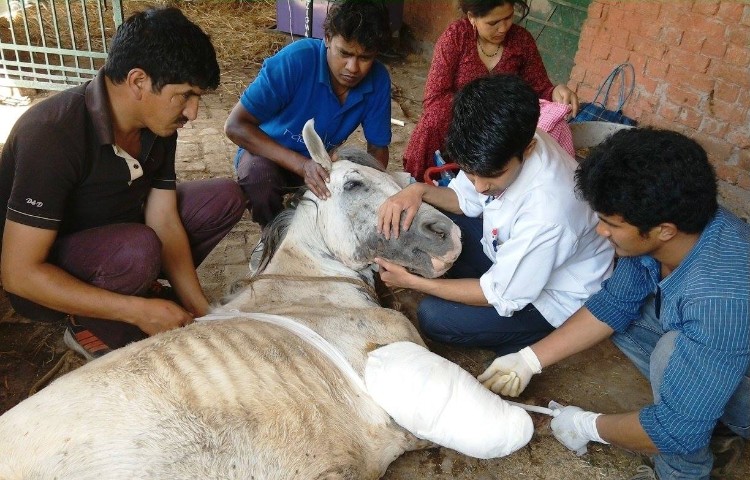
677	304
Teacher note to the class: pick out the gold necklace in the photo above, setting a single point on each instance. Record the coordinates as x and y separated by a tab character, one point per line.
479	43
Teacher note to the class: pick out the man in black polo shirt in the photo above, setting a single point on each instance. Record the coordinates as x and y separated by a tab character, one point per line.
94	213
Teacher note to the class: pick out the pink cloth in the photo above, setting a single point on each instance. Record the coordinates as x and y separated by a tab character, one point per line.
553	120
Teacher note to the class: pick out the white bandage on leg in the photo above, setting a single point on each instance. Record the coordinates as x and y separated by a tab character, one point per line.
437	400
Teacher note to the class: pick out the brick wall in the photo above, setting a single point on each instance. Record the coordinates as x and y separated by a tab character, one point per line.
692	65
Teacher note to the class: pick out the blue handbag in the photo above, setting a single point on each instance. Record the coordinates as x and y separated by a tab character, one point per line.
596	110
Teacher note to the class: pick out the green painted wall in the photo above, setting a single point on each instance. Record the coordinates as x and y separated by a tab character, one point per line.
556	25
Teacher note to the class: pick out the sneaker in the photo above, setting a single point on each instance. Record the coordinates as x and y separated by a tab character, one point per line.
82	341
161	290
644	472
727	450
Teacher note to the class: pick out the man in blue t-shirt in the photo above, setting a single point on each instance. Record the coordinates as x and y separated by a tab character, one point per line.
336	81
677	304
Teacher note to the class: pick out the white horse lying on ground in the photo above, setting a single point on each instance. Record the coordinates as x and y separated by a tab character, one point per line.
273	394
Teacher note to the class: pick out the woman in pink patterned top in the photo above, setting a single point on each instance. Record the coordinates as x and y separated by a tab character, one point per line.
483	43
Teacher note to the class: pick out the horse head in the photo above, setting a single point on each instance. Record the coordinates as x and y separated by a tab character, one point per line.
344	226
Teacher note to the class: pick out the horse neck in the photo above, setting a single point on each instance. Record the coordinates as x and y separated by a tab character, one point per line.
303	267
310	263
304	253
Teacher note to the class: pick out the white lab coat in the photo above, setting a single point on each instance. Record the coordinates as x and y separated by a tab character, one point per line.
540	237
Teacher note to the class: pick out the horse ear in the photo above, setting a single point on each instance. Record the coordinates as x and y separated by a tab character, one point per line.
315	145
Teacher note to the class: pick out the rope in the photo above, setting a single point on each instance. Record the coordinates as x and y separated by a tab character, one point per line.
305	333
534	408
299	278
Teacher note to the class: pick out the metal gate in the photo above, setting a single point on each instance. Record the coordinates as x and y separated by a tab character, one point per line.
556	26
54	44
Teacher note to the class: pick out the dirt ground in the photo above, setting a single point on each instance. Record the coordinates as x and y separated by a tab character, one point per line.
600	380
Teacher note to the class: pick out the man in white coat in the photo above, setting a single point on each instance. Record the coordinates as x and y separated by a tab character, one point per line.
531	256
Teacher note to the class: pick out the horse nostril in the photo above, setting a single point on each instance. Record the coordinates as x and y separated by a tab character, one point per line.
437	229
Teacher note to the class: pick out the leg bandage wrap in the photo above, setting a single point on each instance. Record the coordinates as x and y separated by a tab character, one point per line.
437	400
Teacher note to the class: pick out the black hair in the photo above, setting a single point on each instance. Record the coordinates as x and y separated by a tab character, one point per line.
494	120
648	177
480	8
167	46
363	21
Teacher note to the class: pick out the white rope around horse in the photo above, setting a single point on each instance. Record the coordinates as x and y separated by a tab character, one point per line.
324	346
429	405
302	331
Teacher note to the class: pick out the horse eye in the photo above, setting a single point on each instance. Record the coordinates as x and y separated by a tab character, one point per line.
351	184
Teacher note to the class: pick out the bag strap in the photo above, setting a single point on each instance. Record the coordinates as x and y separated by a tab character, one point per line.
626	88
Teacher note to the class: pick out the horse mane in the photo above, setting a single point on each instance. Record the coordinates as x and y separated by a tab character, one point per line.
276	230
271	237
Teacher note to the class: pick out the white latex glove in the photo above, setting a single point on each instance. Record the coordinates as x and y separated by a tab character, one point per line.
510	374
574	427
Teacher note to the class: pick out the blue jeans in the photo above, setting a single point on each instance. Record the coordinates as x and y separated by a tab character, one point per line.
472	326
647	345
